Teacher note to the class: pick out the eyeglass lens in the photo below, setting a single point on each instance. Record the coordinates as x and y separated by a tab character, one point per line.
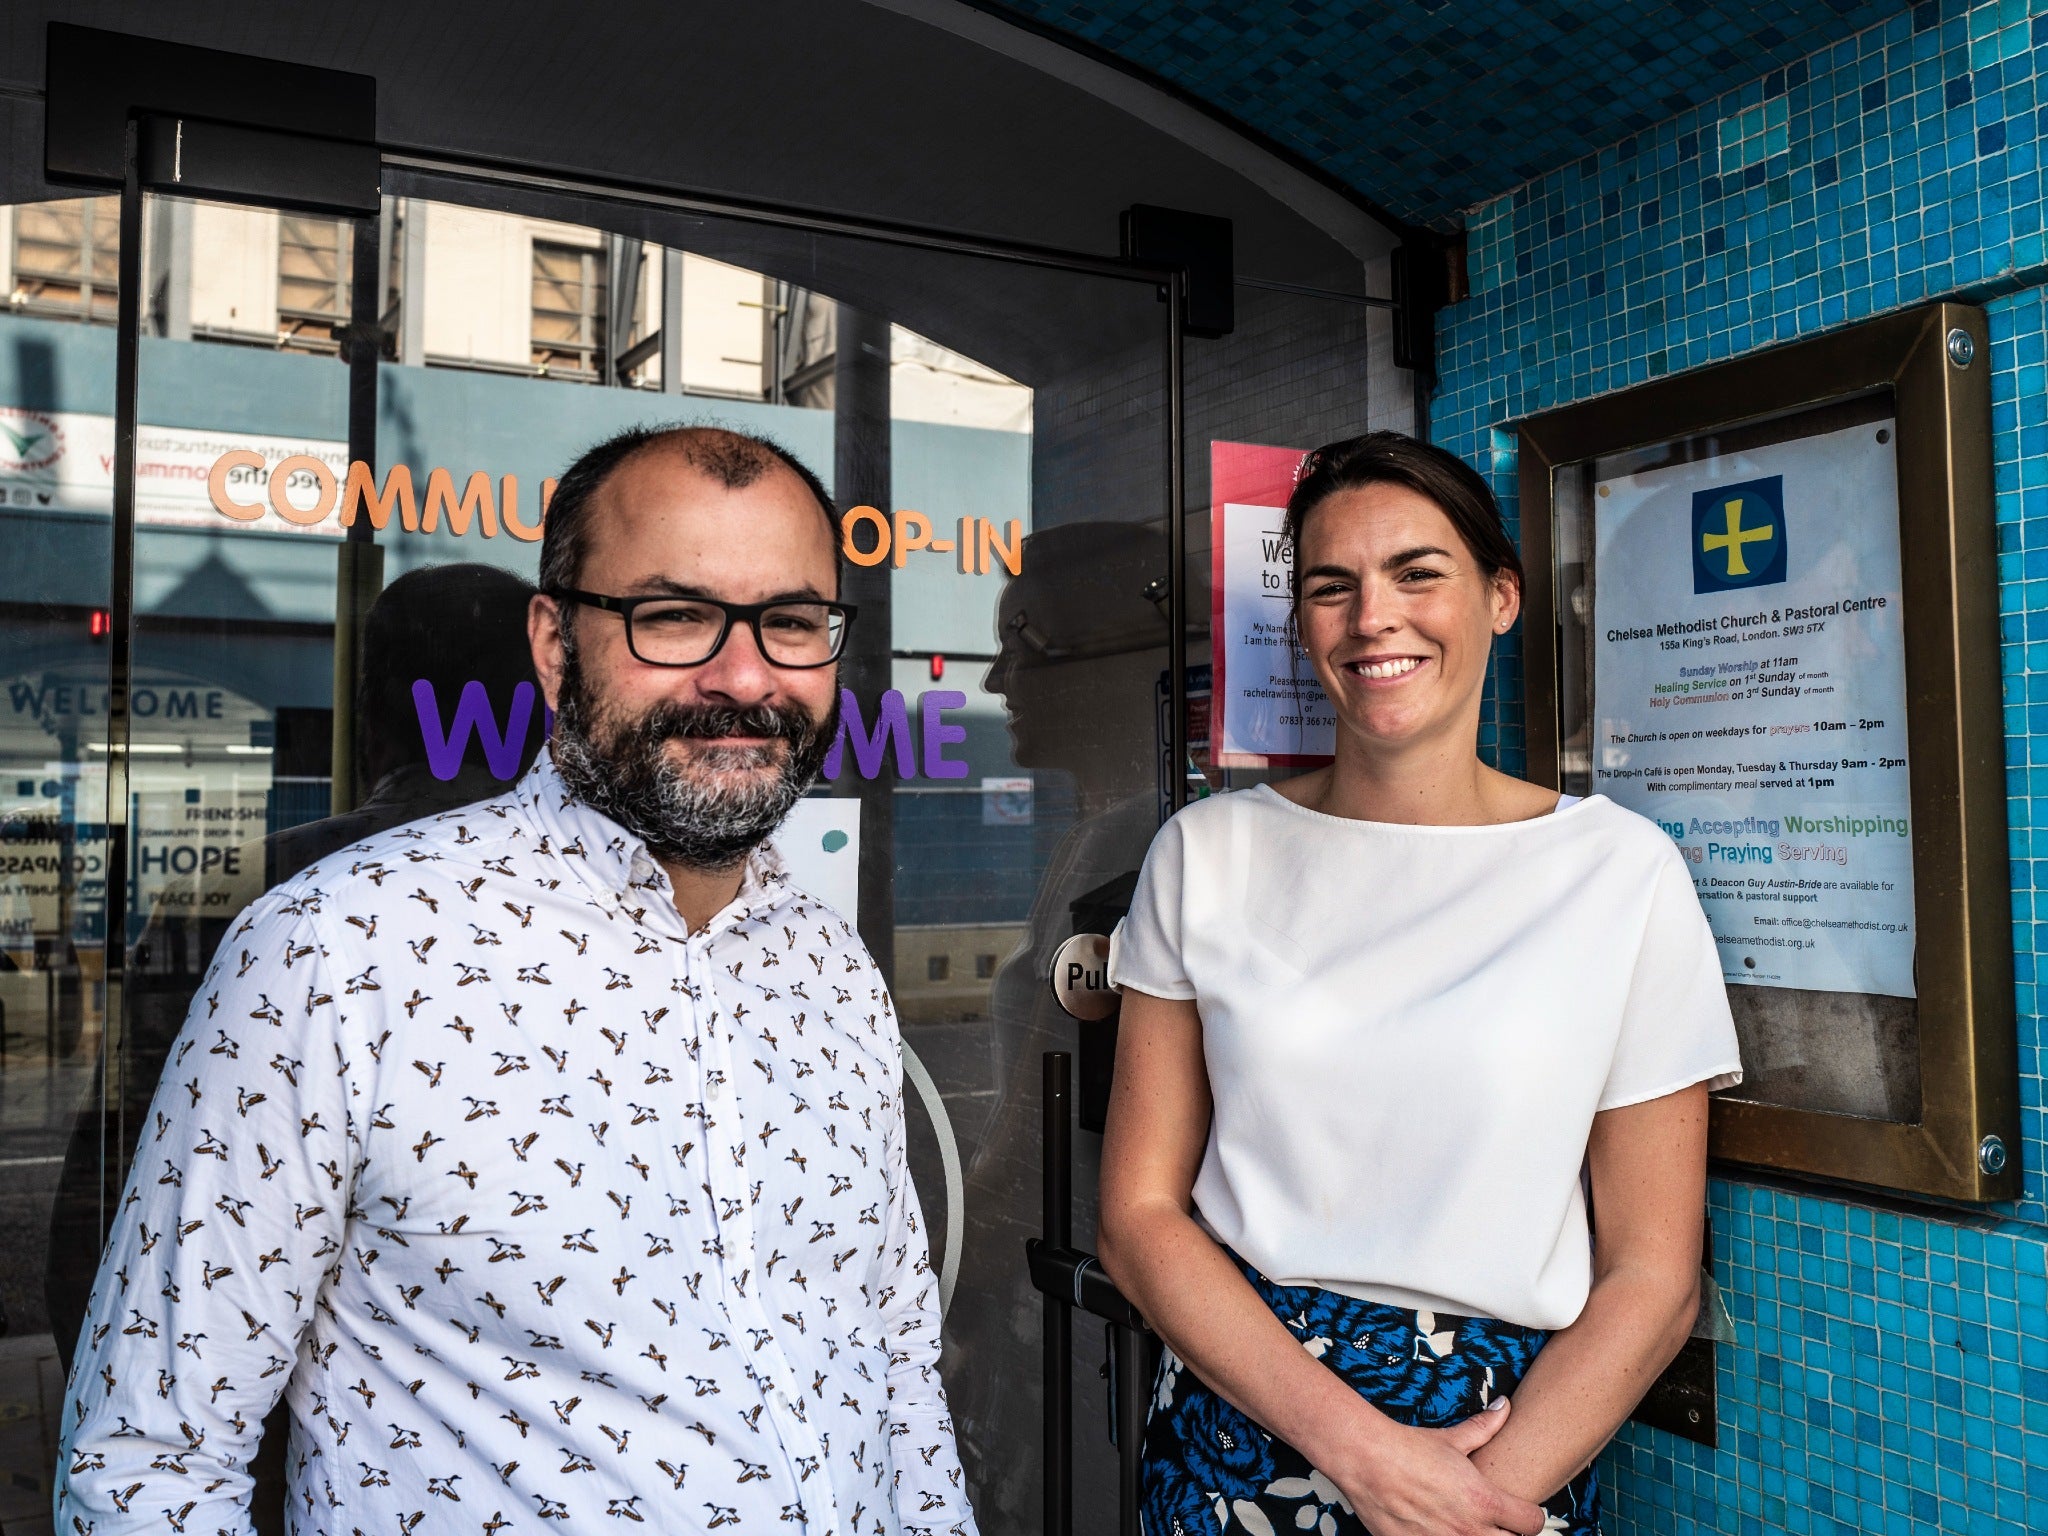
682	632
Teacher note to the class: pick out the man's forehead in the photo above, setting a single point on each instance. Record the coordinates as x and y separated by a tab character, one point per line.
660	504
667	472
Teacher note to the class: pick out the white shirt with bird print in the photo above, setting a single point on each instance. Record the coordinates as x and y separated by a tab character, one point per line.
536	1207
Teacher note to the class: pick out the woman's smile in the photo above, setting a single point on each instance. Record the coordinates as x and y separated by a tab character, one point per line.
1384	669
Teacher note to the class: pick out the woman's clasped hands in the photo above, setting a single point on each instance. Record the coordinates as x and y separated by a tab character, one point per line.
1403	1481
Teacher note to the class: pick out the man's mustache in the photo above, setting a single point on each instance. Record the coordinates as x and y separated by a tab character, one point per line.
665	722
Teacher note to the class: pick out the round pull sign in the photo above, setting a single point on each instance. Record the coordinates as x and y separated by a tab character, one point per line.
1080	978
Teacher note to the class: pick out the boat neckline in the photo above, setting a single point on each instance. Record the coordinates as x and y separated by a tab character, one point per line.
1557	814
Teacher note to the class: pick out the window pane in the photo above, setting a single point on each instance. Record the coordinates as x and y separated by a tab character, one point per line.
66	258
313	257
568	308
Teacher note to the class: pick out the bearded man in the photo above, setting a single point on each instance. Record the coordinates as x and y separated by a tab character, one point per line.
547	1155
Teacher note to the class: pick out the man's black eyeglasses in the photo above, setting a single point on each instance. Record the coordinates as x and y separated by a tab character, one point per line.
687	631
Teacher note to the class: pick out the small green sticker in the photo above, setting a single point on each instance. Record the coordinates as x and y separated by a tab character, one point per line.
834	840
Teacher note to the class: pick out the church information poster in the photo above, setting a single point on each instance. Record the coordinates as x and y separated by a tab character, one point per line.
1749	696
1267	707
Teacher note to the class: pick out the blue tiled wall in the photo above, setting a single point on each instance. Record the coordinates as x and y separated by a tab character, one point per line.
1891	1372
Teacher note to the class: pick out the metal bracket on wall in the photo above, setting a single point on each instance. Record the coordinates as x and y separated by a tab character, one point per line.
227	126
1202	245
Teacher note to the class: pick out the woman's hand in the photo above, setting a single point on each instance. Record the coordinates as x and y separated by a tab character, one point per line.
1421	1482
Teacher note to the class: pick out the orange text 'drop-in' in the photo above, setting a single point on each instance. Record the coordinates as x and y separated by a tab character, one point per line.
869	537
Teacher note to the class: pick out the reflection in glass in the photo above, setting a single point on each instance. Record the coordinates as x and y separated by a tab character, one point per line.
56	405
66	259
1082	644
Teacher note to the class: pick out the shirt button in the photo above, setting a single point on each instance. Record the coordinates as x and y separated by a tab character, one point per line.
716	1091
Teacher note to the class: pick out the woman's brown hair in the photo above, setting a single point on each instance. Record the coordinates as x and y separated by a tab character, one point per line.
1393	458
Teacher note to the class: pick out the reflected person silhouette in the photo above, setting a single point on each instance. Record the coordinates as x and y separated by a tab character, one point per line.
1081	651
447	625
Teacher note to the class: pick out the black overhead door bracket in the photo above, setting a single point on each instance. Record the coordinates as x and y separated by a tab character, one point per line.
1200	244
227	126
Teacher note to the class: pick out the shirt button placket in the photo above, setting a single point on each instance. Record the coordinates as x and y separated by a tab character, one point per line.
736	1238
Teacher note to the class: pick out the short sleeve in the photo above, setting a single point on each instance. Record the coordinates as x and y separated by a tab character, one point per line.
1145	950
1676	1029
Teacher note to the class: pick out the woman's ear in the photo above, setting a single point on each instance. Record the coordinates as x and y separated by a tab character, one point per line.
1507	601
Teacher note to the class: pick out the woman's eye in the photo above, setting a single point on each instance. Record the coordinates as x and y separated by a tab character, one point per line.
1327	589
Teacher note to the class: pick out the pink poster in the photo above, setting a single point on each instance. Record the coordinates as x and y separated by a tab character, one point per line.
1268	708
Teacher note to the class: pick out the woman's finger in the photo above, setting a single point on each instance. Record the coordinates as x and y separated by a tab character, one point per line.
1470	1434
1519	1515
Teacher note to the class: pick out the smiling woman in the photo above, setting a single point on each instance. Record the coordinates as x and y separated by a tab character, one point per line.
1376	1020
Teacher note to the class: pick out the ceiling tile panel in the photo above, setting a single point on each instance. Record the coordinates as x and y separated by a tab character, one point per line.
1425	107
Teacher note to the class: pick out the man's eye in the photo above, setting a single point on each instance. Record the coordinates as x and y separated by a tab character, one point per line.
795	623
674	618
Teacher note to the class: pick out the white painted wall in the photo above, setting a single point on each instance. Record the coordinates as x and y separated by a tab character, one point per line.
234	269
928	382
479	285
722	328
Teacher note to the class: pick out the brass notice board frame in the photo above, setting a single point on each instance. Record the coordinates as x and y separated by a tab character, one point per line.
1935	361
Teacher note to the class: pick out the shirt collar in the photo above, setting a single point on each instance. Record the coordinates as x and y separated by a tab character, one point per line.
614	861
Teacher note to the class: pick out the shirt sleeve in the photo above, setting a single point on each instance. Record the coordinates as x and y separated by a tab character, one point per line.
1676	1029
930	1492
231	1223
1145	950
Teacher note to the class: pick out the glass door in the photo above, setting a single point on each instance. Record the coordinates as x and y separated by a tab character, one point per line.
348	430
56	499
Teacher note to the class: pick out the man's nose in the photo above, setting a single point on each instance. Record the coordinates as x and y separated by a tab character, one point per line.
739	673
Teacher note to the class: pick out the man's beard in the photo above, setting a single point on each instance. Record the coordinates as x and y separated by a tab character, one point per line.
622	768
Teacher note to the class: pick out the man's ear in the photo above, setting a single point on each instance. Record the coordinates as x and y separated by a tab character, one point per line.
544	620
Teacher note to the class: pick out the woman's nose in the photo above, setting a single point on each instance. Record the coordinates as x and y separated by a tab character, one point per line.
1372	610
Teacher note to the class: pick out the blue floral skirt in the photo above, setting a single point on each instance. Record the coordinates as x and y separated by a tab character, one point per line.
1211	1471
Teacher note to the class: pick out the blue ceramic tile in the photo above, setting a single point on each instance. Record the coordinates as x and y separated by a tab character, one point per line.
1890	1370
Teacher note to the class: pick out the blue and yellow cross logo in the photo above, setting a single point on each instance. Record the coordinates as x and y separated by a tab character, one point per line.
1738	535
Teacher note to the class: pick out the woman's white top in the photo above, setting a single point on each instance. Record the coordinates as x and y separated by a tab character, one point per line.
1409	1029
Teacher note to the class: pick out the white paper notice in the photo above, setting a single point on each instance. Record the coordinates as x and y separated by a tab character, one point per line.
1750	696
1271	704
64	461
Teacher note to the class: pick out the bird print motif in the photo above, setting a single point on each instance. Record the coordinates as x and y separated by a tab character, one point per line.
534	1205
